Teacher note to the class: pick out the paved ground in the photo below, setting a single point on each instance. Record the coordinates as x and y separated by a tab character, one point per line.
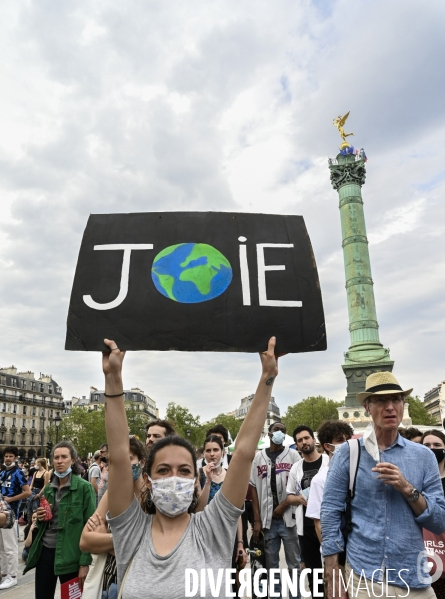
25	584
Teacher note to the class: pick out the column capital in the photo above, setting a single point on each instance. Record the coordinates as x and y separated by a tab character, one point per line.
344	172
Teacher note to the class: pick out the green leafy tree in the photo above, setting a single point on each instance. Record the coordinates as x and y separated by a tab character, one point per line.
84	428
311	411
186	424
418	413
231	423
136	422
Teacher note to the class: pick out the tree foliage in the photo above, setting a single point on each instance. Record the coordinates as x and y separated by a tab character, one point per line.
189	426
311	411
418	413
137	421
86	428
186	425
231	423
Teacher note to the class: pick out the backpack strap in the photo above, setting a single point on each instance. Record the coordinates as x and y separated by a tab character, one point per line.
354	459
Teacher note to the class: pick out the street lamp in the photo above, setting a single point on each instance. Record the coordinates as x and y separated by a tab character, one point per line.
42	440
57	421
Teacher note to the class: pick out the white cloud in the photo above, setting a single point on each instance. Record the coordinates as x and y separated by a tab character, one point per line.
118	107
403	219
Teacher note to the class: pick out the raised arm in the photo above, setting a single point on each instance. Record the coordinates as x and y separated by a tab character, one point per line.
120	479
237	478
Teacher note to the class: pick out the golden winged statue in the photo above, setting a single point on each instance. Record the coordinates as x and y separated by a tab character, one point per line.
339	122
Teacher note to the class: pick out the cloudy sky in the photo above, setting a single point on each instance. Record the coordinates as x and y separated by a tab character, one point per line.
110	106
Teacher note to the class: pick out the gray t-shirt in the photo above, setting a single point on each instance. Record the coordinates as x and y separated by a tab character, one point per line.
50	534
206	543
93	472
102	483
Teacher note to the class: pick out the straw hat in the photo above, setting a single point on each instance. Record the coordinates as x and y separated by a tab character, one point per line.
381	383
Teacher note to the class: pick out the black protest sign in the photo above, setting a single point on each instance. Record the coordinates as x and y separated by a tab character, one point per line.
196	281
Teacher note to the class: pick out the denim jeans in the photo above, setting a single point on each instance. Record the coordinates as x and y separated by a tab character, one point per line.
310	548
32	503
111	593
273	536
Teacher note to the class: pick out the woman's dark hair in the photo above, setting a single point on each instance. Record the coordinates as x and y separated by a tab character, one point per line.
214	439
137	448
171	440
220	429
73	454
435	433
28	526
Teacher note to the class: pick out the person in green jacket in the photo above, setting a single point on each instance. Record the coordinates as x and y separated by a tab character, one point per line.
55	553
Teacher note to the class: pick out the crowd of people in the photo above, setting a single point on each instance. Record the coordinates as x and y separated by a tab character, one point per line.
133	520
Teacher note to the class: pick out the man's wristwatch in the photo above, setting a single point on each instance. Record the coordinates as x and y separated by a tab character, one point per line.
413	496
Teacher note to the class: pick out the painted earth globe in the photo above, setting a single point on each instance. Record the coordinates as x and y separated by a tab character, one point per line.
191	272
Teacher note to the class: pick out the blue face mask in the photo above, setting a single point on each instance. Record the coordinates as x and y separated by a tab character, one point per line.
278	437
136	470
63	474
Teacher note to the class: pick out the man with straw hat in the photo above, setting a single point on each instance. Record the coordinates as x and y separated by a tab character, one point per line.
397	493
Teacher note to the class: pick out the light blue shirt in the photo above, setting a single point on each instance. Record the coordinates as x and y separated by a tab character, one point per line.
386	534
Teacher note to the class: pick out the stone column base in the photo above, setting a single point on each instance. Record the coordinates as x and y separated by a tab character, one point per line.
356	379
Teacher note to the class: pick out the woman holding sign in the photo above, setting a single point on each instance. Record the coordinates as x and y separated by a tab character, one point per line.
160	552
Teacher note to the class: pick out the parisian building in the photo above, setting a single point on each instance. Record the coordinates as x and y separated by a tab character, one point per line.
434	402
28	407
68	405
134	397
273	413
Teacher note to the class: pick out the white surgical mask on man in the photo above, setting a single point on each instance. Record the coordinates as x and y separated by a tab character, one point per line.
336	447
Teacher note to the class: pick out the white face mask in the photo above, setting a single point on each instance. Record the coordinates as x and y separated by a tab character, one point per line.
172	495
336	447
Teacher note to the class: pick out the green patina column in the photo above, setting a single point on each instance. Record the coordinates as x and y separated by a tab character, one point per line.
365	354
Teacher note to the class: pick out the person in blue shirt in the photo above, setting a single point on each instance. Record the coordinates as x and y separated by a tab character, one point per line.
14	488
398	492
